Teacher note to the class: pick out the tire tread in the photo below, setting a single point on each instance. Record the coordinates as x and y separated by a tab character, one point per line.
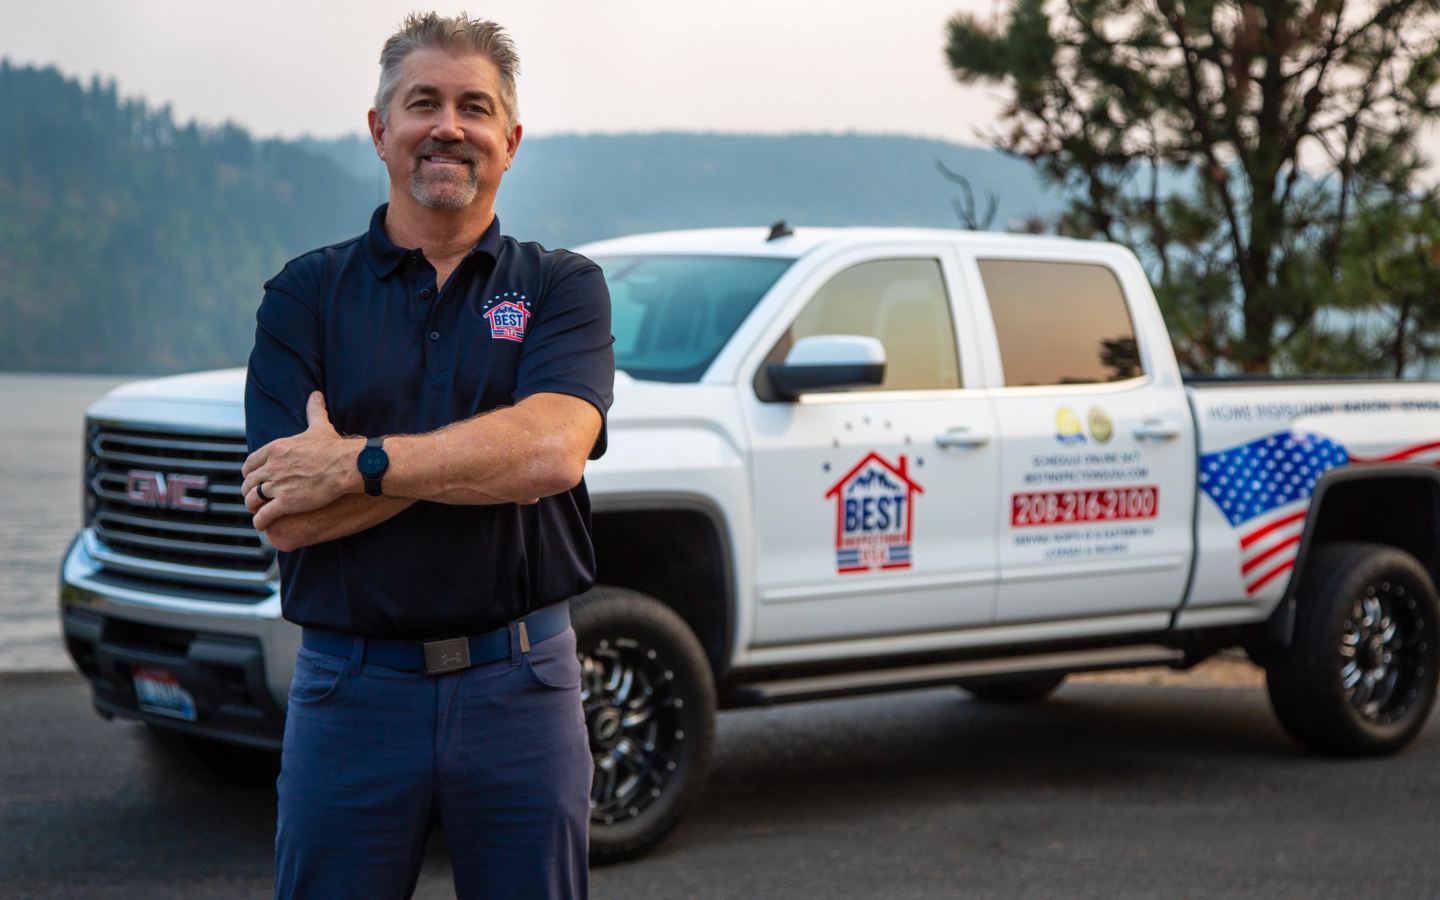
1309	702
605	603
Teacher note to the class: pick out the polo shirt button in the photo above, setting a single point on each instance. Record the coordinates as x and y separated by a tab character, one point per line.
434	335
425	294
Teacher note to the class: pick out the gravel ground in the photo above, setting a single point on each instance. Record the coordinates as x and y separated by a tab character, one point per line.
1227	670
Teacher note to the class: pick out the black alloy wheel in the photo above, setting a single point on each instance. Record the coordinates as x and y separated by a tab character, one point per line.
1378	651
649	701
1361	675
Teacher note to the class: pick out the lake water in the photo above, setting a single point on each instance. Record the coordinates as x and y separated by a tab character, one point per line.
41	418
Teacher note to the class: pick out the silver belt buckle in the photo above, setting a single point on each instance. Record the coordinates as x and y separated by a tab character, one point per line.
447	656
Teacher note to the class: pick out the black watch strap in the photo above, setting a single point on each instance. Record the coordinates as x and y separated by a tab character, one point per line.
372	481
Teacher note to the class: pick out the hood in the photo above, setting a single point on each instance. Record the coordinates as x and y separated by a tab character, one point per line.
225	386
216	399
210	402
645	402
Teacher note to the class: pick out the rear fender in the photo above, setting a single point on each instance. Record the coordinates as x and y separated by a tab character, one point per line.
1389	503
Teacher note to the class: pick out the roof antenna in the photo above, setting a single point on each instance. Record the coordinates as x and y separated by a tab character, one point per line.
779	230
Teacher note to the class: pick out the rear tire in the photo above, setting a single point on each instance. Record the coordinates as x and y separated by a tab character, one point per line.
1012	689
1360	676
649	699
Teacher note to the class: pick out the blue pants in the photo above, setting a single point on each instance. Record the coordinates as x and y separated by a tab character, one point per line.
496	755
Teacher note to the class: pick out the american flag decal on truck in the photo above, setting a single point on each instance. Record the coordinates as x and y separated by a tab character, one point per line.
1264	490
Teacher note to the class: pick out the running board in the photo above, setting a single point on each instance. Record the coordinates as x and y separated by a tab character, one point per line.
913	677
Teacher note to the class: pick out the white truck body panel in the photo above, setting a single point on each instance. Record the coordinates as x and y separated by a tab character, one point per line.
1284	436
1107	567
804	451
953	566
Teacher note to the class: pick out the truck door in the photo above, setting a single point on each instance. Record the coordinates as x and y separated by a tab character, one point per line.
866	526
1097	478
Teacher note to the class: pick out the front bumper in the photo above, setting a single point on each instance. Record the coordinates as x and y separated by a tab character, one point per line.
229	649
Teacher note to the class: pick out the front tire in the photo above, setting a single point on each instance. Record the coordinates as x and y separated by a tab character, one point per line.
649	700
1360	676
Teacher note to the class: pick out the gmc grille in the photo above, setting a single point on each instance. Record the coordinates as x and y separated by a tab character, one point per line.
158	539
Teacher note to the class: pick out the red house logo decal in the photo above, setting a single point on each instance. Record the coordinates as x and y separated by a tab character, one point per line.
508	320
874	511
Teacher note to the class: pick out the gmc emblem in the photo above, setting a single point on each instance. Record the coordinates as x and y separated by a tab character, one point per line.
158	489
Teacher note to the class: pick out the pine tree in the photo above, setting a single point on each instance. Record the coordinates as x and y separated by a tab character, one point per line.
1227	142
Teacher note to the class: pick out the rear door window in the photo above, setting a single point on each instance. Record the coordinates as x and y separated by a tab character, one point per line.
1060	322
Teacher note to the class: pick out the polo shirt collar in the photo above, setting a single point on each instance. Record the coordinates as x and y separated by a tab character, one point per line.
384	257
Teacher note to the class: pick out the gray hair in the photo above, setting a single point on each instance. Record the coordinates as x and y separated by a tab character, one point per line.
421	31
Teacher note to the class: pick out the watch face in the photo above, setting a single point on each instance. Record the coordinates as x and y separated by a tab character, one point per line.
373	461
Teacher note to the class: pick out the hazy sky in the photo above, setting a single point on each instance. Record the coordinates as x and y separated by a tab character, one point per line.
299	67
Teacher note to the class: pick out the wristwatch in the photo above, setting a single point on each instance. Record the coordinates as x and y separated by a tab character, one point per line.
372	462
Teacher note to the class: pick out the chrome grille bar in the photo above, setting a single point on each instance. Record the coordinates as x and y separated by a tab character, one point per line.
161	524
122	537
153	537
149	568
111	486
188	446
135	460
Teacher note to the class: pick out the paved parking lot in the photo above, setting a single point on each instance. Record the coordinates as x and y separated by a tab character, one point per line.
1110	790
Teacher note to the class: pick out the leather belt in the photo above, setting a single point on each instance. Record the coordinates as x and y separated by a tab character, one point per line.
447	655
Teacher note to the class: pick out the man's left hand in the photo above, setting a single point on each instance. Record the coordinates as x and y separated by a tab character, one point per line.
301	473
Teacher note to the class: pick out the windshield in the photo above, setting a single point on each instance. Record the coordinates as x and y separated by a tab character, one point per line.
671	314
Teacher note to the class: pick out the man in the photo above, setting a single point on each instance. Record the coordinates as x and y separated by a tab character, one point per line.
430	555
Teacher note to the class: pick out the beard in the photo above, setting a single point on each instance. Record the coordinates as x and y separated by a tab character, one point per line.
444	189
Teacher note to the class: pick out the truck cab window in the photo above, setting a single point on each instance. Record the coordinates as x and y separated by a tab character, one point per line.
1060	322
903	303
670	315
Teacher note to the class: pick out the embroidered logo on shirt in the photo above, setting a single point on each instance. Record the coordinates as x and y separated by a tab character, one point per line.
508	321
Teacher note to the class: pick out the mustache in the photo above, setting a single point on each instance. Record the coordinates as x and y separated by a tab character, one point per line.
457	149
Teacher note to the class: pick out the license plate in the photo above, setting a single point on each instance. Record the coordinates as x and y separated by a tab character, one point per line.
157	691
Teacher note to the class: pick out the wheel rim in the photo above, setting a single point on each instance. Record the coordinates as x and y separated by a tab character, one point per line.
1383	653
632	714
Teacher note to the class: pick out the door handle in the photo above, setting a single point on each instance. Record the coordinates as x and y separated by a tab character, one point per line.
962	438
1157	430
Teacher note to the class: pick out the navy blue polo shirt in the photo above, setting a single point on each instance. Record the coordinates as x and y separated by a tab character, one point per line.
363	322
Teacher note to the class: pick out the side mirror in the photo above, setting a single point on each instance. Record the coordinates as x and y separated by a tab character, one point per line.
828	362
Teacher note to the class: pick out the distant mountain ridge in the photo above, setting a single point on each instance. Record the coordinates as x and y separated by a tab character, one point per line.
133	243
568	189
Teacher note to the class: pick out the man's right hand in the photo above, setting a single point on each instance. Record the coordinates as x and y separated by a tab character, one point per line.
305	472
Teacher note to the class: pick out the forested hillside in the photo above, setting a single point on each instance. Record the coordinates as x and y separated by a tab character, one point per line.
133	243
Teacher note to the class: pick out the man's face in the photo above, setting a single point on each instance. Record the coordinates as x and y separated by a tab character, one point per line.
446	131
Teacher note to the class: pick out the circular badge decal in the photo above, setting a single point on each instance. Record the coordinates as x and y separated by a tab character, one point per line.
1067	426
1101	428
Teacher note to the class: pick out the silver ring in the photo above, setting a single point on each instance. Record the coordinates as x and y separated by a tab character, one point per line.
260	492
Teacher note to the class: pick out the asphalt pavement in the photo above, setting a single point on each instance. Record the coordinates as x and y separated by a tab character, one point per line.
1108	790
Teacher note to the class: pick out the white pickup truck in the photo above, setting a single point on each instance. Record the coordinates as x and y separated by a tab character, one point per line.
845	461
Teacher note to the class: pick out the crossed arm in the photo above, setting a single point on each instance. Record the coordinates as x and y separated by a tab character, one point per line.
519	454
